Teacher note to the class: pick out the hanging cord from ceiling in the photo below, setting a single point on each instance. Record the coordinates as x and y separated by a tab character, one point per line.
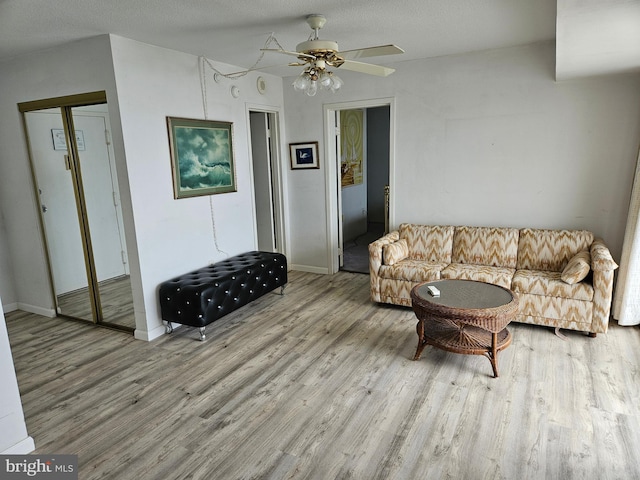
270	40
205	109
203	89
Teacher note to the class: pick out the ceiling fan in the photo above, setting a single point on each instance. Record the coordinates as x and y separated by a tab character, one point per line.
317	55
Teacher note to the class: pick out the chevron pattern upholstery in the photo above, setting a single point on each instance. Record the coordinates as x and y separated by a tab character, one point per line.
496	247
550	249
431	243
528	261
480	273
550	284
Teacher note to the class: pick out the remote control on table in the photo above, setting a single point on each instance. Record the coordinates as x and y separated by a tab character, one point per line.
433	291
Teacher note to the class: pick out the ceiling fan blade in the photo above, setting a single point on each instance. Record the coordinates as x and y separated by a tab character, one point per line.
371	52
367	68
286	52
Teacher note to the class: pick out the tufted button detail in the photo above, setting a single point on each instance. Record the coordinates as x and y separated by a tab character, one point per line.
223	286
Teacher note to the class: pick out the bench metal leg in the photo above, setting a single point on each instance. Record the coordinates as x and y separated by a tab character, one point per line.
203	337
169	328
282	289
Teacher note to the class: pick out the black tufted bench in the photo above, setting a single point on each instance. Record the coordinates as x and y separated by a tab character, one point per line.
203	296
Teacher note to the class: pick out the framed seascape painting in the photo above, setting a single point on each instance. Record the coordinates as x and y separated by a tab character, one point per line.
304	155
201	157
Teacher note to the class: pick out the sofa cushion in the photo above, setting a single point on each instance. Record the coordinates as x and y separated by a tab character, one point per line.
394	252
497	247
550	250
555	312
550	284
412	270
431	243
577	269
481	273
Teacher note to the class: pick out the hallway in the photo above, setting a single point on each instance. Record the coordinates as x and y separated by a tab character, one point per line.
356	251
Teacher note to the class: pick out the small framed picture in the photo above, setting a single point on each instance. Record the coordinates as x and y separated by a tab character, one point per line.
60	142
304	155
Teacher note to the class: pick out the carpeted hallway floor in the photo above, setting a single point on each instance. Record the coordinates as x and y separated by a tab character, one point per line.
356	252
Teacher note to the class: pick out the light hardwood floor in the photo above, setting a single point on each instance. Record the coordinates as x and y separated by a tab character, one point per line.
320	384
116	302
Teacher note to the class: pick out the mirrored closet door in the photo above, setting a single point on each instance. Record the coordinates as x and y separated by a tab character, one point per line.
76	185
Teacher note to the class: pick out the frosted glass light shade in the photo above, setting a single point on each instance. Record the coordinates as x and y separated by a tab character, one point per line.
302	82
312	89
336	83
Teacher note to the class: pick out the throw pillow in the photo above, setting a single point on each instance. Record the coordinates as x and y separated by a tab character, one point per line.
394	252
577	268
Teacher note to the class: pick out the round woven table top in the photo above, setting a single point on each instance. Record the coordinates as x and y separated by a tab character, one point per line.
485	305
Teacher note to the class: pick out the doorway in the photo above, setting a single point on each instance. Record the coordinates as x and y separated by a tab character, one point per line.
267	180
363	193
74	173
359	201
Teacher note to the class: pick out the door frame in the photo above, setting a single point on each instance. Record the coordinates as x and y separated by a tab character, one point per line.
279	179
332	178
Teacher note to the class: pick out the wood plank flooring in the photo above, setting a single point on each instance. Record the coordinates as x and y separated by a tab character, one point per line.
319	384
116	300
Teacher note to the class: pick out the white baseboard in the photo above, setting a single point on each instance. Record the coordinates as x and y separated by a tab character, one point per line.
9	307
21	448
45	312
310	269
147	335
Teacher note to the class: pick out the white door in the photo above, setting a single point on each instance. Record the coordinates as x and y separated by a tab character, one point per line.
58	202
262	180
102	196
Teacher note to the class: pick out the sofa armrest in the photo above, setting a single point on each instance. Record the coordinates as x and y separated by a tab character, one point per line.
603	266
601	259
375	261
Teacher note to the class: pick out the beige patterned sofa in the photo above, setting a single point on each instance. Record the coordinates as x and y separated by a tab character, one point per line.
563	278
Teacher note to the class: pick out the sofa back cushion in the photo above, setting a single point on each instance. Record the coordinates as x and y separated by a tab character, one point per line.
496	247
430	243
550	250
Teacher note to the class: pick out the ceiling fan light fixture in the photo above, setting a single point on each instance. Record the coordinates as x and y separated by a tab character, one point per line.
313	79
302	82
312	89
318	55
336	83
325	79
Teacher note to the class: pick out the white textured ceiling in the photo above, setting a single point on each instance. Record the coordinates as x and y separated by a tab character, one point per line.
233	31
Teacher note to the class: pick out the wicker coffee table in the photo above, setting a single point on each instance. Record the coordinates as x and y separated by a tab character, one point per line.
468	317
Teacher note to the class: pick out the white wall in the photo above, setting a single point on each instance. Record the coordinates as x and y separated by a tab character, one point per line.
7	292
78	67
486	139
176	236
165	237
14	438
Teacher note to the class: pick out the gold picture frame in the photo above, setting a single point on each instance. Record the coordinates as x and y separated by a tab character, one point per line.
201	157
